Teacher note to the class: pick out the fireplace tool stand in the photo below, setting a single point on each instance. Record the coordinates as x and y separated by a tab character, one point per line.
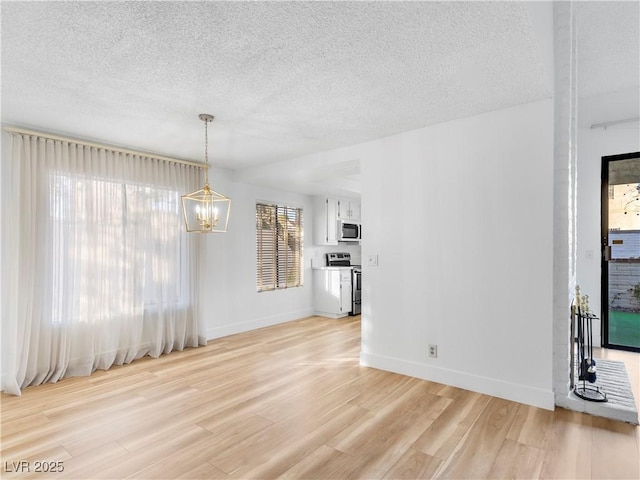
586	365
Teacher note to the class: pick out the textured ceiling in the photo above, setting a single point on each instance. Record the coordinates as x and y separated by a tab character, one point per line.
283	79
608	47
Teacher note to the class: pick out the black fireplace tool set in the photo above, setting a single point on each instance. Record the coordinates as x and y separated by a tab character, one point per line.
586	364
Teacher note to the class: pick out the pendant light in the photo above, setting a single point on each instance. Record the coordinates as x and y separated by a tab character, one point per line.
205	210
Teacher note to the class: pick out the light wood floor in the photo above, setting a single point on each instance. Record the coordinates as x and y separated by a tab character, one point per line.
291	401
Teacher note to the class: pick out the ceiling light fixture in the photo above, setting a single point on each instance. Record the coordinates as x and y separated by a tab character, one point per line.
205	210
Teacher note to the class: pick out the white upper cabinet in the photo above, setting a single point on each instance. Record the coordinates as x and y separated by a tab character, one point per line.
348	209
326	212
325	227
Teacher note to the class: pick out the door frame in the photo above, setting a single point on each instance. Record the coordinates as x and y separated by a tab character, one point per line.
604	242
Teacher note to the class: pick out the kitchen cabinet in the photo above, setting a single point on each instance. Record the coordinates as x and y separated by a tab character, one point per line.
325	231
332	291
348	209
327	212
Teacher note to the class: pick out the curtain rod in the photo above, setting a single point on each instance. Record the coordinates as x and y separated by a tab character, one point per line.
617	122
101	146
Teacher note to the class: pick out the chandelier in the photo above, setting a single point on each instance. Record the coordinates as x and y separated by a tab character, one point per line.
205	210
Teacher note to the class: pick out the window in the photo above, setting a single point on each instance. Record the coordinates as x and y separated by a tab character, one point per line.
103	271
279	245
110	237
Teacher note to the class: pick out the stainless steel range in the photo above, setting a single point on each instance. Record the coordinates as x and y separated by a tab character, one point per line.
343	259
356	283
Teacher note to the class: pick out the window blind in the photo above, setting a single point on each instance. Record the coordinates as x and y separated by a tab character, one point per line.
279	247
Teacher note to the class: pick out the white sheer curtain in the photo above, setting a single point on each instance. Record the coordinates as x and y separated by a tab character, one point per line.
97	267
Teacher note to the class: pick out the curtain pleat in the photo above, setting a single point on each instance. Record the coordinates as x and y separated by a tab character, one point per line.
96	260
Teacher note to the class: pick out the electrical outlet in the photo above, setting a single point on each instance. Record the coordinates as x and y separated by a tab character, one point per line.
433	351
372	260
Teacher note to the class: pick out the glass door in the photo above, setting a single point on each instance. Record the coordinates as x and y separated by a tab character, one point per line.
621	251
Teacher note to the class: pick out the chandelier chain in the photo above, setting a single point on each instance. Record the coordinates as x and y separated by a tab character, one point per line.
206	143
206	149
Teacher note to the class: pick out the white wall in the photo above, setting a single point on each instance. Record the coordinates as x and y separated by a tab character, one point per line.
592	146
461	216
229	300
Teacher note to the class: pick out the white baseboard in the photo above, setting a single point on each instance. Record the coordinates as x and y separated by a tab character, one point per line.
232	329
330	315
489	386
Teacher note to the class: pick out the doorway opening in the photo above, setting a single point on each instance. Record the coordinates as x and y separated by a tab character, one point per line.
620	212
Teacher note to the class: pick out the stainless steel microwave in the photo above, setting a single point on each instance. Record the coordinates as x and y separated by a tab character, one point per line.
349	231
